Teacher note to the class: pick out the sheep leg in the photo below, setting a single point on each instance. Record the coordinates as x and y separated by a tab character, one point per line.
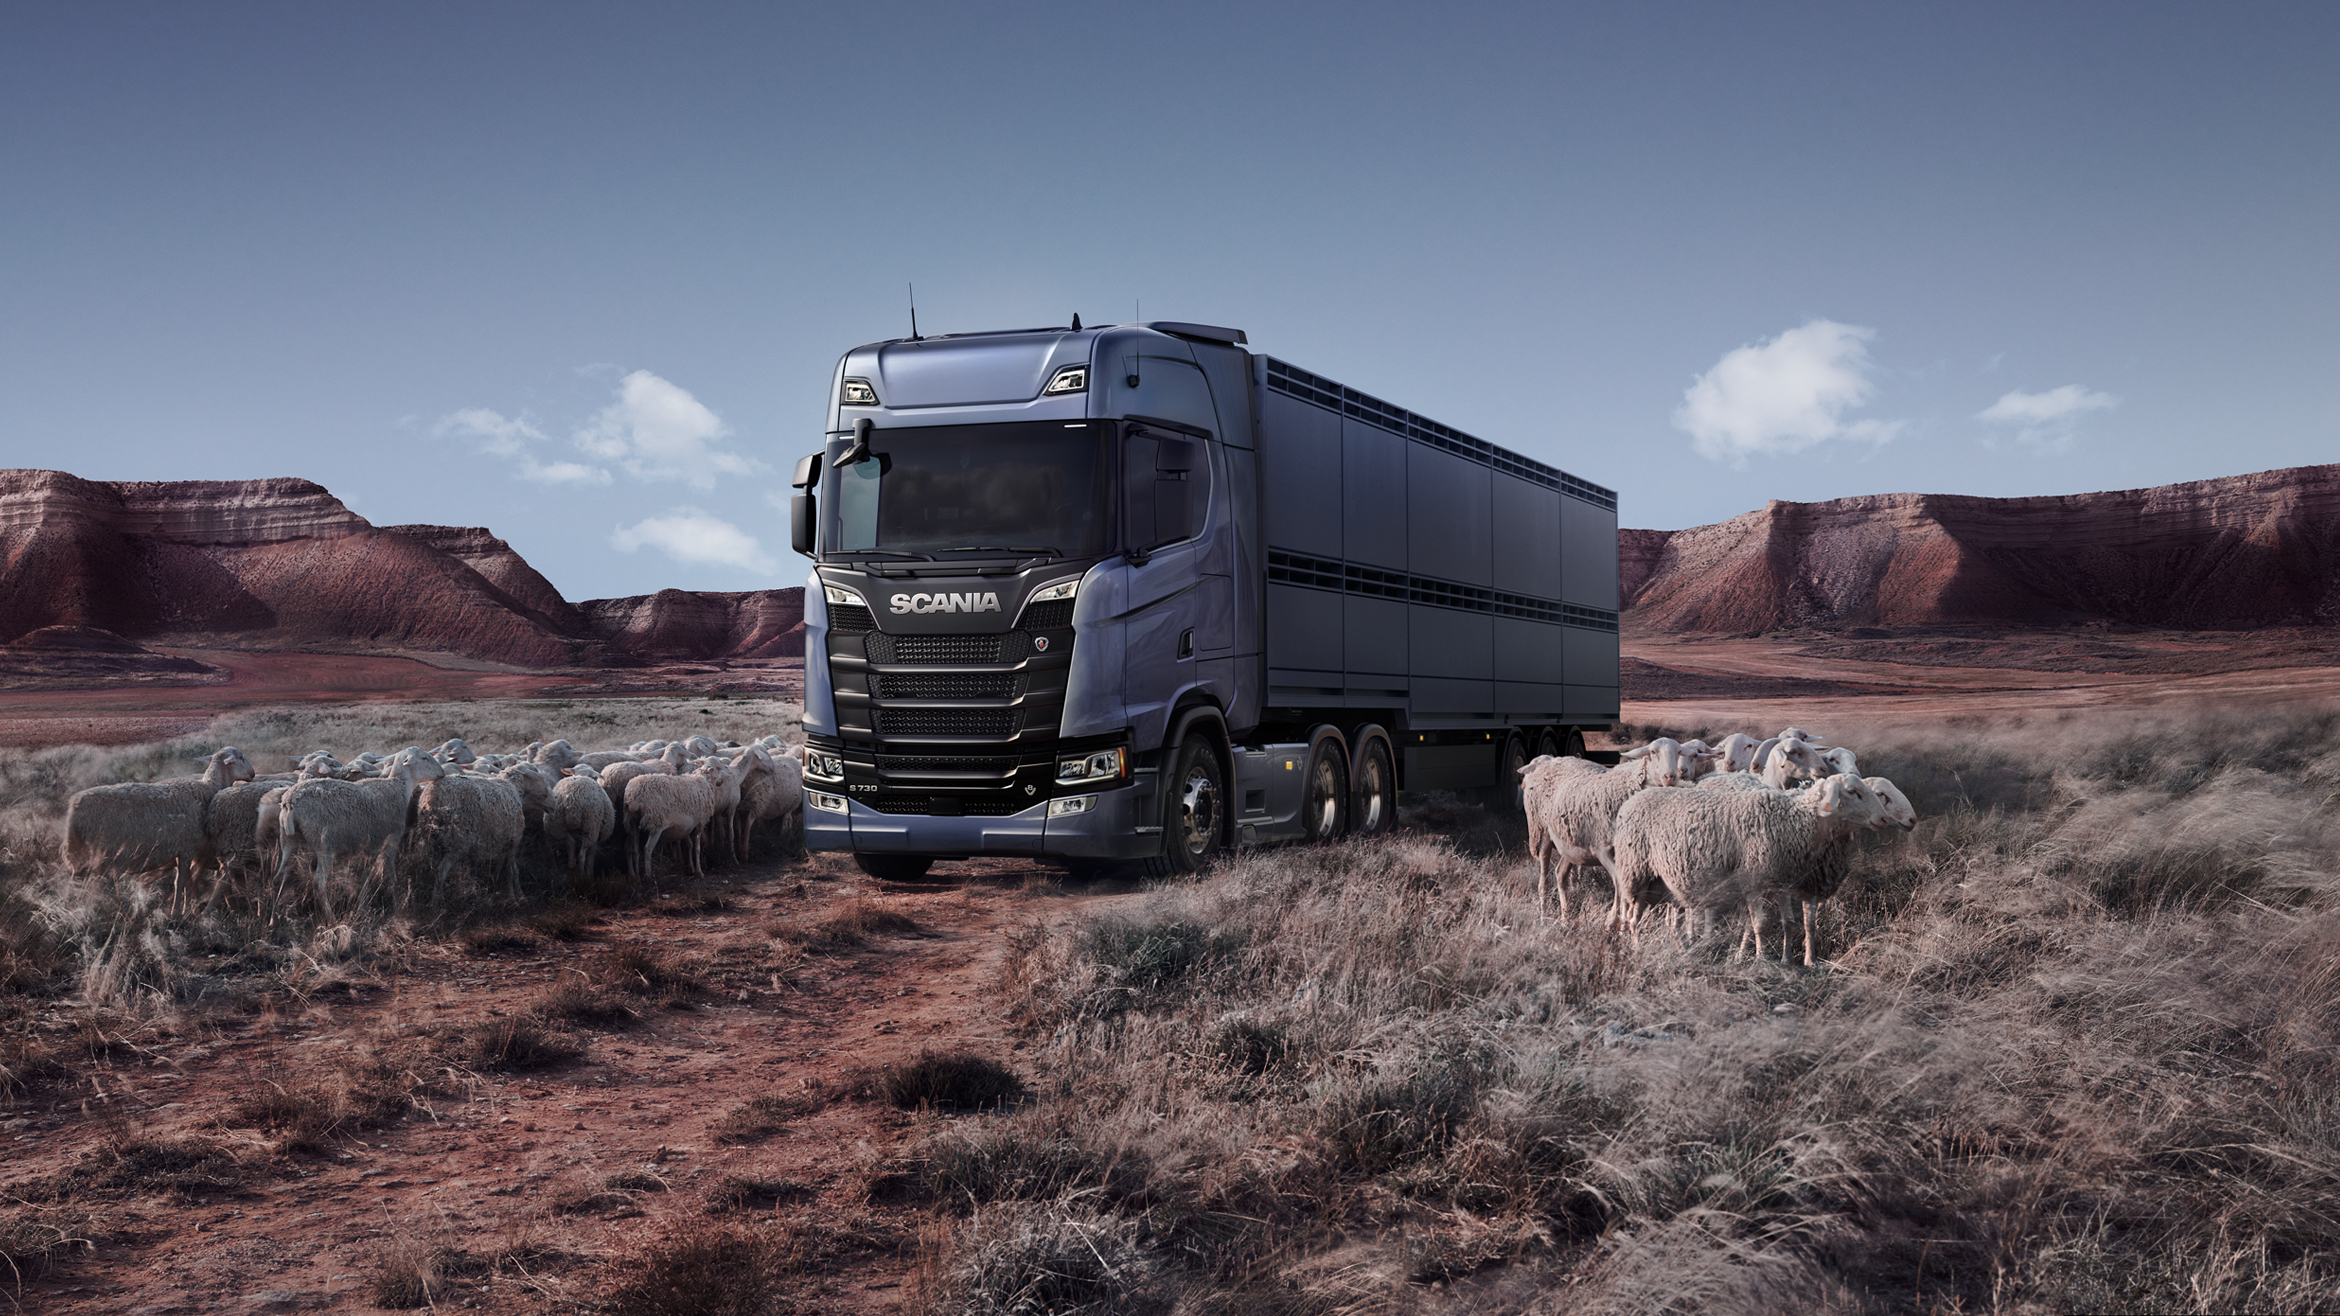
324	871
649	854
1809	912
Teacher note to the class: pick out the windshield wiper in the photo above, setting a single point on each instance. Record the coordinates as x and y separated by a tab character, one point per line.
882	552
1005	548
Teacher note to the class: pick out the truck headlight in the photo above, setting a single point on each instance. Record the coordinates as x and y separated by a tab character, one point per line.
844	596
821	765
1067	807
826	802
1105	765
1063	589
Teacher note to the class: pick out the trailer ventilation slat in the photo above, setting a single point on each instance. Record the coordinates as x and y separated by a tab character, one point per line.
1342	400
1288	568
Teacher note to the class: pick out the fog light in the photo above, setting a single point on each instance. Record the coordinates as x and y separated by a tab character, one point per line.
1066	808
826	803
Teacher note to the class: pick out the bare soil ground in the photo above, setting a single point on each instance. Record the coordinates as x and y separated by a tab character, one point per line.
1868	675
68	712
547	1172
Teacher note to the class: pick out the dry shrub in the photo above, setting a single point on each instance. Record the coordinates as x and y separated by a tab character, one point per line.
36	1240
126	1165
300	1117
955	1080
735	1192
498	939
635	968
585	1003
512	1043
698	1269
1044	1257
846	927
765	1117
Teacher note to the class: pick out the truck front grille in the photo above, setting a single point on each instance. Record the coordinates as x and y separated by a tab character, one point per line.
848	618
946	721
943	763
952	807
1054	615
912	650
1002	685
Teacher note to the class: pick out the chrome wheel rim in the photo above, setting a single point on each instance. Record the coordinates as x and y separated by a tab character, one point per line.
1326	788
1371	797
1198	812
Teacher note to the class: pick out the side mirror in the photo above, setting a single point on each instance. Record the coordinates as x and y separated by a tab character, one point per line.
808	472
800	523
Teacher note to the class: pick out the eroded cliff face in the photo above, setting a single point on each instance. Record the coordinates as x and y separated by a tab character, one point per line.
283	564
2240	552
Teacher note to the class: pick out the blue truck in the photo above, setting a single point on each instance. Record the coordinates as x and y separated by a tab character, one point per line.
1136	594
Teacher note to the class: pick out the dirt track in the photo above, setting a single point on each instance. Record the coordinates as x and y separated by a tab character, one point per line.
528	1156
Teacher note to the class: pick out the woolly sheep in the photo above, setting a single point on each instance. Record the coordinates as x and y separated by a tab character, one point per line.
1664	755
1839	762
1791	755
1579	811
602	758
145	825
578	819
1733	781
1736	753
535	784
699	747
455	752
557	755
1829	867
678	807
1725	849
775	795
471	821
1538	778
334	818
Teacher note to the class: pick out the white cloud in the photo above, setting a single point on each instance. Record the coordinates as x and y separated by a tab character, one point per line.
2047	420
688	534
1783	395
509	437
658	431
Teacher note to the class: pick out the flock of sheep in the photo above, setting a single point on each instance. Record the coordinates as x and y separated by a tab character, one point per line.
460	810
1716	828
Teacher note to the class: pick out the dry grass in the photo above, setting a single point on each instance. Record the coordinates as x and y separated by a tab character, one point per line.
2074	1050
954	1080
847	926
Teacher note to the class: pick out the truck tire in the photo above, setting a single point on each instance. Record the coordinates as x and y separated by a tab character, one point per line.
1572	744
1194	806
1547	745
1324	793
894	867
1506	797
1373	796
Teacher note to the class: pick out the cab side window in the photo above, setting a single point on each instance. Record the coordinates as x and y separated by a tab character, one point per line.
1166	479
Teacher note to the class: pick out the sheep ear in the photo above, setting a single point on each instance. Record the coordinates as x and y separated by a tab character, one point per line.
1642	752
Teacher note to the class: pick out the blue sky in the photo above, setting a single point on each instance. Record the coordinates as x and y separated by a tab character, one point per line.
580	272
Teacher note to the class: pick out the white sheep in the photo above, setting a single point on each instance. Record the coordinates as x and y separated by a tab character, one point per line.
473	821
1825	875
1731	849
679	807
145	825
1789	757
602	758
578	820
1839	762
557	755
1736	753
455	752
535	783
1538	778
1580	809
1733	781
774	794
618	776
369	817
1665	758
232	822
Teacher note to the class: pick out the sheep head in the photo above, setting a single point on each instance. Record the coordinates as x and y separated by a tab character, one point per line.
1898	811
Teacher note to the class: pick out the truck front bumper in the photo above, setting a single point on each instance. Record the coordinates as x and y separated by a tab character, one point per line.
1107	831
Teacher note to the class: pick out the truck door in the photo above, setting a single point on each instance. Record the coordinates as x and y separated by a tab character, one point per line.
1181	601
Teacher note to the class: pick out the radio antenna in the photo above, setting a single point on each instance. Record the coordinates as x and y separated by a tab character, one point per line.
913	312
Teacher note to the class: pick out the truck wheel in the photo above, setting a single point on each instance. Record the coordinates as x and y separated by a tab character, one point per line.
1373	801
894	867
1324	800
1548	746
1194	804
1506	799
1572	744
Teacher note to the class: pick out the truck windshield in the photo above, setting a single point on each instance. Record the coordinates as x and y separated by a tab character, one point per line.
1024	488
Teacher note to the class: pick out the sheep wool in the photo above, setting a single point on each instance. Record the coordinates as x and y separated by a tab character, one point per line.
146	825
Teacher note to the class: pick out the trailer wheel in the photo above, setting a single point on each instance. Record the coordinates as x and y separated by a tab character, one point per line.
894	867
1373	802
1507	784
1573	744
1193	809
1324	801
1548	746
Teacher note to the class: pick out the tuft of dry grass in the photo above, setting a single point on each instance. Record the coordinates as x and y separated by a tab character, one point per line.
954	1080
698	1269
847	926
513	1043
765	1117
735	1192
37	1240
